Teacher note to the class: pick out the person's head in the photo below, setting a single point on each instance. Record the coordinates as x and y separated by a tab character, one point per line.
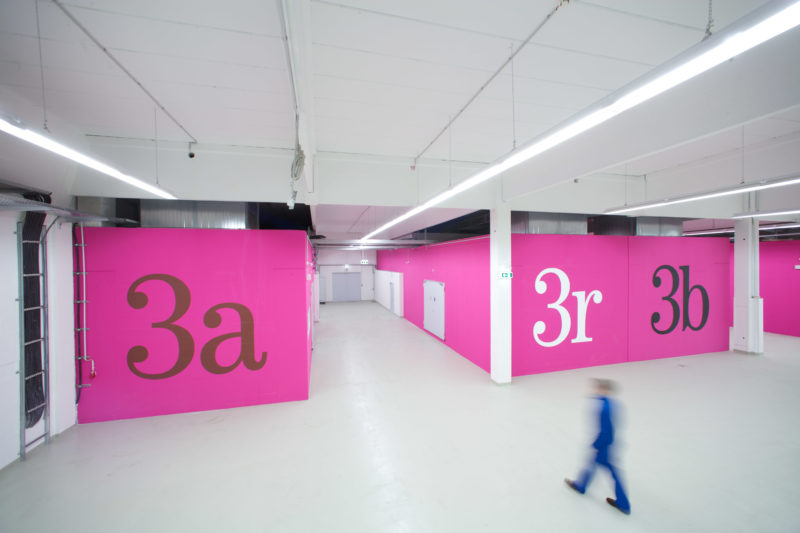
604	387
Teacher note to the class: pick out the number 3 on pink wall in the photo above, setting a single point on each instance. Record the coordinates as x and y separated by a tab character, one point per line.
212	319
688	289
566	320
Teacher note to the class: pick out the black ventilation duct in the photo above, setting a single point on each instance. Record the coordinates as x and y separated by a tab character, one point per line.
32	300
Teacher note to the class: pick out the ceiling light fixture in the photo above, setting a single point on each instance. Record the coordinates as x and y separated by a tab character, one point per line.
769	214
64	151
783	181
771	227
708	232
774	20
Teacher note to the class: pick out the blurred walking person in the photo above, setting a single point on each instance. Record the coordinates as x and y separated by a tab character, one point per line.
604	446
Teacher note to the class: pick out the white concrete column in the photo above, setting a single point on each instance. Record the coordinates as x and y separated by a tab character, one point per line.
500	261
748	307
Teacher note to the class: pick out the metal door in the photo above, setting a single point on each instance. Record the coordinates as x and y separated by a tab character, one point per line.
346	286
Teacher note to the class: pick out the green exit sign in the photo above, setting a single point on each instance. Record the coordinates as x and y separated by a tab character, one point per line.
506	275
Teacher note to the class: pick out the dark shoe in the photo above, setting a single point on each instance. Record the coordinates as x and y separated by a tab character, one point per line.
571	484
613	503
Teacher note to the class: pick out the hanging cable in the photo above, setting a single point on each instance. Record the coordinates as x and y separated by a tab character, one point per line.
710	22
105	50
491	78
155	139
513	108
41	65
450	157
742	157
299	156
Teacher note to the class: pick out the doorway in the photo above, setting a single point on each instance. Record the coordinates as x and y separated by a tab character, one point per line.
346	286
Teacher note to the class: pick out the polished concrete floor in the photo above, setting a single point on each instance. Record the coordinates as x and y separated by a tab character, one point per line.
403	435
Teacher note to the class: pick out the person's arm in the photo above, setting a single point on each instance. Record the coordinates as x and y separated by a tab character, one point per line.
606	435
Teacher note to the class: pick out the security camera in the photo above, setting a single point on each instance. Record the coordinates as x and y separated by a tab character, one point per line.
191	155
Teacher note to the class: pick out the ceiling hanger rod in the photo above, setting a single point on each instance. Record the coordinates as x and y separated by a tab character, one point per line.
491	78
120	65
289	63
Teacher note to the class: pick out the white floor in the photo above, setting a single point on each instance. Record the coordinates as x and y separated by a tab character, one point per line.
403	435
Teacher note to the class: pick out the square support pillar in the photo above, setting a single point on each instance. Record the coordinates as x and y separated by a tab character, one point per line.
748	307
500	289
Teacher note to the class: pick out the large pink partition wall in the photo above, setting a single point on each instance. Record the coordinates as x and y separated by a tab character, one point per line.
690	296
780	286
582	300
463	266
779	282
575	331
578	300
189	320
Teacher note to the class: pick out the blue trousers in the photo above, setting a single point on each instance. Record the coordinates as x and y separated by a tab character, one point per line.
586	476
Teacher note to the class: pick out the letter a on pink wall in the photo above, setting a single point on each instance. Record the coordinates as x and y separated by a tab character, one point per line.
189	320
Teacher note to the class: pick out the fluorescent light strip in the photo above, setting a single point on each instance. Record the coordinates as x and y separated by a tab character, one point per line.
779	226
728	48
707	232
769	214
731	230
64	151
739	189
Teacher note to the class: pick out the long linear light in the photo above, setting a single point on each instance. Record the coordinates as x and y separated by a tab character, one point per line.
769	214
729	44
64	151
770	227
783	181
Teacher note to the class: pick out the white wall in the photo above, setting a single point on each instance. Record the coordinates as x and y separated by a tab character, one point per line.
330	261
383	287
63	412
9	341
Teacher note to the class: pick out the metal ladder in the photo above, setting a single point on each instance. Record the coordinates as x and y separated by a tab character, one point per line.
41	337
80	314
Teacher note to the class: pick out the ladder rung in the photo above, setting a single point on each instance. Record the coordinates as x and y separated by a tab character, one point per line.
83	358
79	245
34	441
79	273
34	308
81	301
82	385
30	242
32	409
34	375
31	275
81	329
34	341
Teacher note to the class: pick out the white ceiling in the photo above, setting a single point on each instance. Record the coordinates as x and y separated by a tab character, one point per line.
377	81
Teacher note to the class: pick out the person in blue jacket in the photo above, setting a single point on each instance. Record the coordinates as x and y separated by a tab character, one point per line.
603	444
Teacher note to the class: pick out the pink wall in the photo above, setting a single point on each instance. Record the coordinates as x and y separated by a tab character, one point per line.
612	317
578	300
240	294
463	266
310	275
707	261
590	264
780	286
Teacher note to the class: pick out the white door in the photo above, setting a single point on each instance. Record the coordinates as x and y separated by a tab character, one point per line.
346	286
433	320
